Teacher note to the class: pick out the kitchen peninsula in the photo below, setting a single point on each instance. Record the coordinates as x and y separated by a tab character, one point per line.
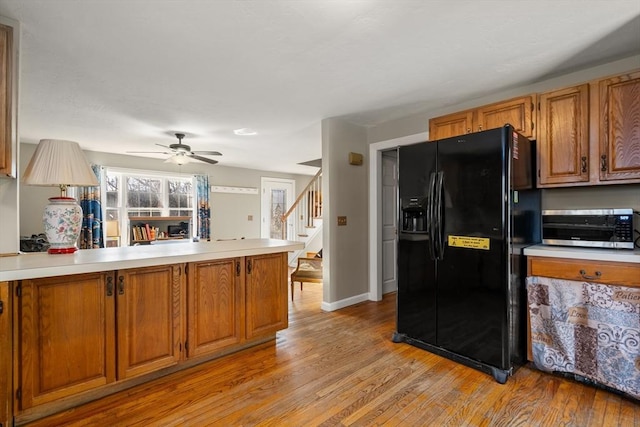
80	326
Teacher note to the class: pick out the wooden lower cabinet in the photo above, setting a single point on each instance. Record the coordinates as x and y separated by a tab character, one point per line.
6	409
148	319
215	306
66	332
80	337
266	294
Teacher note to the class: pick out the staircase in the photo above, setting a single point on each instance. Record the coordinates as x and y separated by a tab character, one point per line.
305	219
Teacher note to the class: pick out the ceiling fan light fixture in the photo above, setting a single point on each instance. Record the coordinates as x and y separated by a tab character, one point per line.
245	132
178	159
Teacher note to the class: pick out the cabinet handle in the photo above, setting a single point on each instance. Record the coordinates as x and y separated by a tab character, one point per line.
584	275
109	286
584	163
237	268
603	163
249	267
121	285
468	130
479	128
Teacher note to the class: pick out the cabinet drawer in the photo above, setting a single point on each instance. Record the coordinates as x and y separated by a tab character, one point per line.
609	273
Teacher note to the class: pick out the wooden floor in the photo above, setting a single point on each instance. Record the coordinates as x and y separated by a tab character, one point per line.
341	368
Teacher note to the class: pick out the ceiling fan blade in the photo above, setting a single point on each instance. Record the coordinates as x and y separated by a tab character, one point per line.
208	153
203	159
164	146
147	152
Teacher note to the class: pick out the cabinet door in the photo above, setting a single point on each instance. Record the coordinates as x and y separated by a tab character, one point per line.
450	125
620	128
6	100
6	401
66	332
563	136
266	289
517	112
148	319
215	301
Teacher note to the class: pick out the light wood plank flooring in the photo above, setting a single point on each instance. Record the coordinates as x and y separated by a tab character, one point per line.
341	368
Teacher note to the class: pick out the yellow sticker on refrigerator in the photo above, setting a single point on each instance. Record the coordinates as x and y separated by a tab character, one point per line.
469	242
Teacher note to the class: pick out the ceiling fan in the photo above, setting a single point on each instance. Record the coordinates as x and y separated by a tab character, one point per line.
181	153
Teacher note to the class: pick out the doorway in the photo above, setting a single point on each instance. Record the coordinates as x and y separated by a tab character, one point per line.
277	197
389	220
376	231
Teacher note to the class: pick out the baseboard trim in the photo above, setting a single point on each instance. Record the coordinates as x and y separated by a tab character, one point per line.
332	306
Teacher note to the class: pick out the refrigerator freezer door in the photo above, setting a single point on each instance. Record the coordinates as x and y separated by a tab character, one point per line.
416	303
471	290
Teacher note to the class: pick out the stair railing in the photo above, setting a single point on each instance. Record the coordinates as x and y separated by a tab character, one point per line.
307	206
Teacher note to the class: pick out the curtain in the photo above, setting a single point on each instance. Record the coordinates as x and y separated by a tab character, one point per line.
204	210
586	328
91	235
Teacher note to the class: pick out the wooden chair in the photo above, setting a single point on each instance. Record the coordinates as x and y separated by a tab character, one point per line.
308	270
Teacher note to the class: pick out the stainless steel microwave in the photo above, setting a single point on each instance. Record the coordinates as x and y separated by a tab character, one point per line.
598	228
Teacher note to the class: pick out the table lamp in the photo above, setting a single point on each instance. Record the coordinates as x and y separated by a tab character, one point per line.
60	163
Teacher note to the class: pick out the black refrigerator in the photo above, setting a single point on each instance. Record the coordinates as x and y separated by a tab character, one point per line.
468	206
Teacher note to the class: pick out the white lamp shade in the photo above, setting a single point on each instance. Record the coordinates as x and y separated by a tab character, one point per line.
59	162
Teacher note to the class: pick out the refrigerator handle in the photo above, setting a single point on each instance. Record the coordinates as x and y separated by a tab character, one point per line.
439	216
431	230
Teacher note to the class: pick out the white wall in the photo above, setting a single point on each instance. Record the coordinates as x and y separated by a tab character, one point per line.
229	212
9	187
345	259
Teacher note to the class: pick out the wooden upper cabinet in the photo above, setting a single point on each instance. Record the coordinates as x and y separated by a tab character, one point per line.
66	332
518	112
266	294
215	305
450	125
563	136
148	319
7	108
619	116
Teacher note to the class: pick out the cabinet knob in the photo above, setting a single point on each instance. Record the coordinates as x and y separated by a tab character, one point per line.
603	163
584	275
584	163
479	128
468	130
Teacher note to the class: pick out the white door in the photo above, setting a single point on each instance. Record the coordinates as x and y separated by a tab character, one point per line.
389	220
277	196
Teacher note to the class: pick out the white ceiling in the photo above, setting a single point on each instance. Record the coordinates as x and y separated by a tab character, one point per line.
121	76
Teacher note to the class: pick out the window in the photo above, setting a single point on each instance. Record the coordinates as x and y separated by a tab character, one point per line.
180	197
131	194
145	196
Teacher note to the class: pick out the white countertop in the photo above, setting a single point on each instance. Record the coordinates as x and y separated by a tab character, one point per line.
34	265
593	254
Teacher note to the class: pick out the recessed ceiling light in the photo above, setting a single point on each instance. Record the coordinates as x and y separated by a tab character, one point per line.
245	131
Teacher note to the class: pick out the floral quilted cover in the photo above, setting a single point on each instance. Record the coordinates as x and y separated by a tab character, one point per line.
588	329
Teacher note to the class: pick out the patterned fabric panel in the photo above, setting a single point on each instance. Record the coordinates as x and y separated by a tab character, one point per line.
589	329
